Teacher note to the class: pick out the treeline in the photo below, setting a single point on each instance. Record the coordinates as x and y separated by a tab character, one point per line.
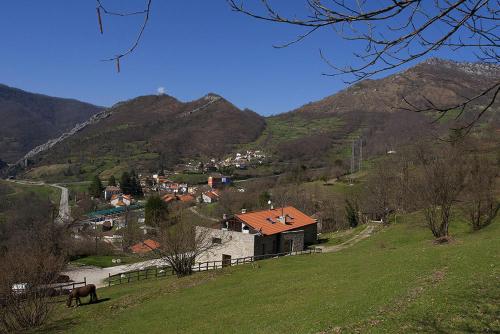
440	179
129	185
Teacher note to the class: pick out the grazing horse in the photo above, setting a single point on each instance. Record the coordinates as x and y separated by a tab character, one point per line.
83	291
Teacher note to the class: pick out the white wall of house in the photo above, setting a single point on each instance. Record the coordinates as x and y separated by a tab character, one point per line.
235	244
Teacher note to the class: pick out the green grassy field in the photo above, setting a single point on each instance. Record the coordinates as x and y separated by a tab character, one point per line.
396	281
41	191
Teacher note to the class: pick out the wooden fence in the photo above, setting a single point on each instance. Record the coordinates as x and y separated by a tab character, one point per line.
55	290
164	271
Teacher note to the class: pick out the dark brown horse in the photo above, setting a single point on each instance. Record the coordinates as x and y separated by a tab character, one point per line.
83	291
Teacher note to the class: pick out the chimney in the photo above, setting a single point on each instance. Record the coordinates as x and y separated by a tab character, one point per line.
243	210
282	219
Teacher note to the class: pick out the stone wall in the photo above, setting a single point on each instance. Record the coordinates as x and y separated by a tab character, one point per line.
298	241
310	234
235	244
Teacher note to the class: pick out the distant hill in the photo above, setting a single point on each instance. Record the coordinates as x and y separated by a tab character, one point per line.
29	119
148	132
152	131
321	131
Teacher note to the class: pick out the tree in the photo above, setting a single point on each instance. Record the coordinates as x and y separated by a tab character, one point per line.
135	184
33	250
182	243
102	11
392	33
96	188
264	198
440	178
481	205
351	213
112	181
156	211
31	270
381	191
126	183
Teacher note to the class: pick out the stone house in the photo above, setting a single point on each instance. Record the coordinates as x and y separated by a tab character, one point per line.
266	232
211	196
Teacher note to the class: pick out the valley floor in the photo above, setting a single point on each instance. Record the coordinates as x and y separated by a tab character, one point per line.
396	281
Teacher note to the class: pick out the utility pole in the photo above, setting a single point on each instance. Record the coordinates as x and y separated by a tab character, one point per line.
352	162
360	152
352	158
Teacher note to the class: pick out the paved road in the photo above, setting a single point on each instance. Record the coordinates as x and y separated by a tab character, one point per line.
95	275
64	211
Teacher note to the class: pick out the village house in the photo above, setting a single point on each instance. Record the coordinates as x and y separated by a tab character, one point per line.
211	196
109	191
273	231
217	182
145	246
121	200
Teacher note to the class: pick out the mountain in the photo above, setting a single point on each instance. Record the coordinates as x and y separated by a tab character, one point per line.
29	119
151	131
441	81
148	132
374	110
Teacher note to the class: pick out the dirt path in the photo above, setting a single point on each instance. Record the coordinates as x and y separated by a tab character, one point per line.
193	210
368	231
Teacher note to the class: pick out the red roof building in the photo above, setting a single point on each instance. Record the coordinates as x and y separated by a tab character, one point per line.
145	247
274	221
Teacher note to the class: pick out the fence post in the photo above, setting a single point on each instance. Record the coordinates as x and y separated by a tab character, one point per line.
85	280
109	279
199	266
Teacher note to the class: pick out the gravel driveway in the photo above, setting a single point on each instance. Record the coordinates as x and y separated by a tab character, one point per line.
96	275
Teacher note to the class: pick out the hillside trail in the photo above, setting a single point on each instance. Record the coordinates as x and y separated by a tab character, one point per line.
201	215
367	232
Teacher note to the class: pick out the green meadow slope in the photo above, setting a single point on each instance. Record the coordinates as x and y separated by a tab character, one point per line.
396	281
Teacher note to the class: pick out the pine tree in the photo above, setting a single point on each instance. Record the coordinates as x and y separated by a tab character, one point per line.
155	211
112	181
351	213
96	188
126	184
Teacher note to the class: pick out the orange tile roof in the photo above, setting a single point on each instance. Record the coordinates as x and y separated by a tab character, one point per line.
145	246
267	221
186	198
169	198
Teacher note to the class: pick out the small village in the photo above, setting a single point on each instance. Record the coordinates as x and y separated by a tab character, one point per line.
273	231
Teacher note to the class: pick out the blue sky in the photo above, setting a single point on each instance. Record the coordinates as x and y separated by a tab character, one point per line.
190	47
